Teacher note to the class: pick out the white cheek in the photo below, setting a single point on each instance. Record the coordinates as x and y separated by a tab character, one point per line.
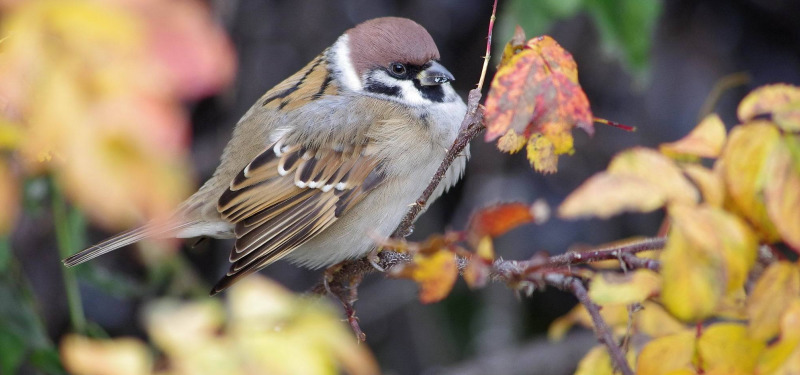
410	94
347	72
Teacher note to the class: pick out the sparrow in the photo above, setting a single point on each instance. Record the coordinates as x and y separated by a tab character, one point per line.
327	161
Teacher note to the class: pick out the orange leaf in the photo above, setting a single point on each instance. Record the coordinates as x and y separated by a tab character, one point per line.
744	168
667	354
774	291
780	101
496	220
726	349
782	190
435	273
705	140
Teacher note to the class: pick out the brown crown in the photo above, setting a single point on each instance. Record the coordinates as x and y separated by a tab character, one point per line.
381	41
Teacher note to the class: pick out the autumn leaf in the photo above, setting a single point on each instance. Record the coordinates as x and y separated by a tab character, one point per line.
637	180
625	289
513	47
709	182
783	356
726	349
114	133
658	170
781	102
773	293
128	356
708	254
744	168
782	190
435	273
597	362
667	355
498	219
704	141
535	100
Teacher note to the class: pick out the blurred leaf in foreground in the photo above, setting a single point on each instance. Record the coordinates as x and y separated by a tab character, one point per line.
95	87
267	330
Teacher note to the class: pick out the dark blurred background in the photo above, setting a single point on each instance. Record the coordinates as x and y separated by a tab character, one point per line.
659	66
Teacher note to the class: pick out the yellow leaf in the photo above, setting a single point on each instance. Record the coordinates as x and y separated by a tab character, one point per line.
705	140
709	252
710	183
782	190
694	278
511	142
181	328
597	362
654	321
541	154
514	46
656	169
733	306
11	134
726	349
485	249
616	316
667	354
783	356
780	101
81	355
774	291
744	162
274	332
605	195
614	288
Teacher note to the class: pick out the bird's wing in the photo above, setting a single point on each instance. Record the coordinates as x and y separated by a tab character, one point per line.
287	195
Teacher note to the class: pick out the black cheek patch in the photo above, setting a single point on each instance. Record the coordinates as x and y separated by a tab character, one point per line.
380	88
433	93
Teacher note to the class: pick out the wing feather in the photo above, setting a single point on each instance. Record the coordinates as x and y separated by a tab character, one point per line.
287	195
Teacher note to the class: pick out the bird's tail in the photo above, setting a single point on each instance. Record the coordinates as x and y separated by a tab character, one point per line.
152	230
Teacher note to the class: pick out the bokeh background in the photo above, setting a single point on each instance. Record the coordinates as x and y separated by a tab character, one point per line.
656	65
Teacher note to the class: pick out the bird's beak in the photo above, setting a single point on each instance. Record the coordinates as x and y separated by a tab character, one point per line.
435	75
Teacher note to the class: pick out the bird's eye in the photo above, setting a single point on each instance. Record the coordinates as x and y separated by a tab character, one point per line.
397	69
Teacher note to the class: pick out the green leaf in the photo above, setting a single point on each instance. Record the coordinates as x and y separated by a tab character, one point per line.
627	27
12	351
47	360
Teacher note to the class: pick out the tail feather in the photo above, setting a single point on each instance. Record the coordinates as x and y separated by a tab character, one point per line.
123	239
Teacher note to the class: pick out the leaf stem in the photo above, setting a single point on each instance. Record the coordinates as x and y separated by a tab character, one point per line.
66	228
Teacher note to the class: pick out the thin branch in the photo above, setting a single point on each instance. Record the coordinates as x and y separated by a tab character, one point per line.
607	253
488	46
601	328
